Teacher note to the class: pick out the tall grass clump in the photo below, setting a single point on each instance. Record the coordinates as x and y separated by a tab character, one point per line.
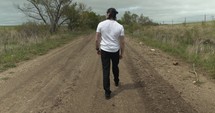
24	42
194	42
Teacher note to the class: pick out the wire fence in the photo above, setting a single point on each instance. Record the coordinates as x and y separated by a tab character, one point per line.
13	21
182	20
190	19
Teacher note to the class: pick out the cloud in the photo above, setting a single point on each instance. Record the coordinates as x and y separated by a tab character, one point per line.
158	10
10	15
130	9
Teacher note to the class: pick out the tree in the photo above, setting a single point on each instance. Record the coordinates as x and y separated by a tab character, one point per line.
126	19
145	20
92	20
134	18
81	17
73	16
50	12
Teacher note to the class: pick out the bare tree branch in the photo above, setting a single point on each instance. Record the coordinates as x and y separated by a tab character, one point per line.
38	9
51	12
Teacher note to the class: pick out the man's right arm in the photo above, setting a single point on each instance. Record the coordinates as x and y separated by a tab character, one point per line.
122	42
122	46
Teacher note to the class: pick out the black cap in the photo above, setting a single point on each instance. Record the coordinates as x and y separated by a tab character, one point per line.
112	11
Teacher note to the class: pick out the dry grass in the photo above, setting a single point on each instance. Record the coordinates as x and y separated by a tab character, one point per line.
194	42
24	42
18	36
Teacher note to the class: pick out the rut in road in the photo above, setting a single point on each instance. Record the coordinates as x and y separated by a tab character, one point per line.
69	80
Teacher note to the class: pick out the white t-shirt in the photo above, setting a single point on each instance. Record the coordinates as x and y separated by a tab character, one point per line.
110	31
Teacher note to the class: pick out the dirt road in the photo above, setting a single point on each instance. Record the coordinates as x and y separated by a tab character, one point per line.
69	80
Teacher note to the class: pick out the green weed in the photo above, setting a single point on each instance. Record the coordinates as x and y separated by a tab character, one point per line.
195	43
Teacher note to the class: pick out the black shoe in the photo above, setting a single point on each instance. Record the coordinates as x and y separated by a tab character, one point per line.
116	84
108	95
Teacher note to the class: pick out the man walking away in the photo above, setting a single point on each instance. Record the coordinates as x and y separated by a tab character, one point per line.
110	45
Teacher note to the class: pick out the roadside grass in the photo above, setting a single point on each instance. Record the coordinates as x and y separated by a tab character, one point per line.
19	48
195	43
4	78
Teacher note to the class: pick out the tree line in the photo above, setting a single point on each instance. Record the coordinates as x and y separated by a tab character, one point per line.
134	22
58	13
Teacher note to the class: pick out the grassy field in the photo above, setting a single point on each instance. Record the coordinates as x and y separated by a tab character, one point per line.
19	43
194	42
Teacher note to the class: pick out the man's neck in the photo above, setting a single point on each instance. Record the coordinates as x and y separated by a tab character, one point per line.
110	19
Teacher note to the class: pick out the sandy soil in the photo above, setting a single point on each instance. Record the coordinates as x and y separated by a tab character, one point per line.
69	80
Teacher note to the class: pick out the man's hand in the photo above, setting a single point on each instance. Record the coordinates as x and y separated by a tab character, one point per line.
98	52
120	56
122	46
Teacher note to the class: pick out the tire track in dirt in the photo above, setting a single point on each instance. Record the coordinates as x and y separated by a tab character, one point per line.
199	96
69	73
124	99
82	95
158	95
41	82
69	80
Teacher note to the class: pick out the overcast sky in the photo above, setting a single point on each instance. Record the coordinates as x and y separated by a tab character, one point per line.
9	15
157	10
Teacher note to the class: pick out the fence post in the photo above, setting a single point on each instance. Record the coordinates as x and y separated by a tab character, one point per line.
172	22
205	18
185	21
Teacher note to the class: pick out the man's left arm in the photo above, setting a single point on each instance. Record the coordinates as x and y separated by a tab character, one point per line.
122	46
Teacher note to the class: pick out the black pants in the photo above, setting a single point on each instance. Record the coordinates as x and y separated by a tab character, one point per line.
106	58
